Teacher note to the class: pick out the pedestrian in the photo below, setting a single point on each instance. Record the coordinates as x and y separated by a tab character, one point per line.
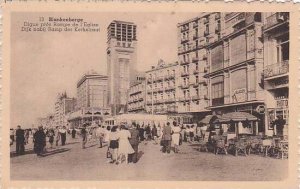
166	138
20	140
124	146
134	141
100	135
73	132
159	131
175	136
113	144
148	132
187	133
84	135
141	132
57	135
154	134
12	135
63	135
26	135
106	134
50	135
279	122
39	141
192	133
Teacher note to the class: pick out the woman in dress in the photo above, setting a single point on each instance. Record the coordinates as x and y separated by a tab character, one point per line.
113	144
125	147
175	136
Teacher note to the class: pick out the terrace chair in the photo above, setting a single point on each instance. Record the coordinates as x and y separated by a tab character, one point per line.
241	147
254	146
283	150
203	142
220	146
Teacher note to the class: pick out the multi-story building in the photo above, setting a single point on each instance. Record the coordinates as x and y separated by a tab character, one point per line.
235	62
63	106
194	36
276	65
137	97
92	100
162	88
121	60
92	91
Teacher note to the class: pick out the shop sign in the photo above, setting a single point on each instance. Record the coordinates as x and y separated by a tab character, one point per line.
261	109
239	95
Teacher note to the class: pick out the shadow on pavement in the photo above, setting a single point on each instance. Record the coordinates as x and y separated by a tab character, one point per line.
91	146
72	143
57	151
28	151
140	154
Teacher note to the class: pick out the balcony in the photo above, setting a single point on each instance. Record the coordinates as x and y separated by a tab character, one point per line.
276	19
184	28
218	28
169	100
169	88
185	86
277	69
196	84
159	78
183	99
282	103
203	82
185	62
184	73
204	57
149	80
195	59
196	71
183	40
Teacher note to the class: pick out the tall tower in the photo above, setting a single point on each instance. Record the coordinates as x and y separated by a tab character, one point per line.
121	60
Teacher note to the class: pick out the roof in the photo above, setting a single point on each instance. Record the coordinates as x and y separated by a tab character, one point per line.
236	116
209	119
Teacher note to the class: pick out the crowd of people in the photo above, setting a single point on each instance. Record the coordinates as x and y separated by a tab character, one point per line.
122	140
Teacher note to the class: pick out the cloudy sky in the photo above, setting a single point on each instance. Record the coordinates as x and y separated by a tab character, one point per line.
44	64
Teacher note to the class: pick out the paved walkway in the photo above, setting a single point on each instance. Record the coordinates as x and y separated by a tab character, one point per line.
70	162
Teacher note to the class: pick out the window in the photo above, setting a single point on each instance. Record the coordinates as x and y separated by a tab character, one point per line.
217	90
238	49
217	55
197	92
283	48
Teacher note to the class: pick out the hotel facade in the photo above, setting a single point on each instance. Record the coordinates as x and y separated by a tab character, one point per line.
276	66
162	88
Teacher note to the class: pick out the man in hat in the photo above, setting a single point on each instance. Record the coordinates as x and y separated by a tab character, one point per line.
134	141
100	135
20	140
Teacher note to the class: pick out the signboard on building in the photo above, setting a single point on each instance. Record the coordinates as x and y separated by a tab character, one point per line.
240	95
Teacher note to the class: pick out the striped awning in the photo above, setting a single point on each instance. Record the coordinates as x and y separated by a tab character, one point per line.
236	116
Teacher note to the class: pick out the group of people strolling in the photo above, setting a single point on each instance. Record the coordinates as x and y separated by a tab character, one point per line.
39	138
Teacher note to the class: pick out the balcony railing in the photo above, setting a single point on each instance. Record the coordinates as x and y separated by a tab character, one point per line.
184	74
170	76
184	62
275	19
195	59
168	88
183	40
185	85
196	71
276	69
195	36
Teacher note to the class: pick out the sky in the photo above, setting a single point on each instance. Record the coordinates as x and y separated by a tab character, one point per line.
44	64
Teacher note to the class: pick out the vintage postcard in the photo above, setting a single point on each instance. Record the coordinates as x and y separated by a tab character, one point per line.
150	95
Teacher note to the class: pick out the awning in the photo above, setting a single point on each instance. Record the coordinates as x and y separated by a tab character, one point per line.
236	116
209	119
